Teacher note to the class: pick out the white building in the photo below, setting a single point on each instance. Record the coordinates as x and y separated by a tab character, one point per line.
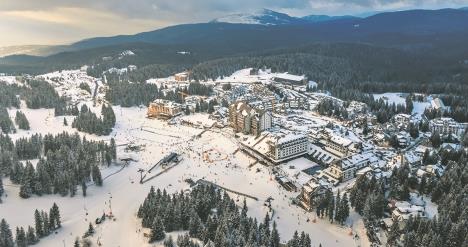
346	168
337	145
286	146
445	126
438	104
401	118
403	210
289	78
356	107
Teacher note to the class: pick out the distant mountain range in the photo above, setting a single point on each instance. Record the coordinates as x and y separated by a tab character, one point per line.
442	31
277	29
270	17
262	17
274	25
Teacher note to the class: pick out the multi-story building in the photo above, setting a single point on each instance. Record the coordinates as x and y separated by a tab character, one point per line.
337	145
285	146
402	120
445	126
313	193
346	168
438	104
289	78
243	118
160	108
355	108
183	76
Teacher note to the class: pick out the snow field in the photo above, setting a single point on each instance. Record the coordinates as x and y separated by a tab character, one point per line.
157	139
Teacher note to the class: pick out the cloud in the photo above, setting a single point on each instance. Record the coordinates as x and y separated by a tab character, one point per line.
59	21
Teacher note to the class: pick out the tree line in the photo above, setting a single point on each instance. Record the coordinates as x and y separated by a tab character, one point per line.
65	162
194	212
369	198
88	122
45	224
125	93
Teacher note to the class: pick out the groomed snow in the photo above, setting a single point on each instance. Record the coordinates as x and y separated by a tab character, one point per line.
158	139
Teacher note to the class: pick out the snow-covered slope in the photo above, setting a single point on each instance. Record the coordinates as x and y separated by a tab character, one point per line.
324	18
262	17
270	17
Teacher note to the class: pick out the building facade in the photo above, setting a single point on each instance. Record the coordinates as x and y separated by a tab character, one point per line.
346	168
445	126
283	147
243	118
165	109
312	194
181	77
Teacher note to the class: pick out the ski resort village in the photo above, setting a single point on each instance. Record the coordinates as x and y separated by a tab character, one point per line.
257	157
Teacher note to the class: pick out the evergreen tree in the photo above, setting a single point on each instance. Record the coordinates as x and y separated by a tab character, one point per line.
54	217
409	104
274	238
157	230
31	236
6	237
413	130
169	242
90	230
21	120
65	123
436	140
76	243
96	173
38	224
46	223
393	234
6	126
338	207
83	187
344	209
195	225
294	242
21	237
2	190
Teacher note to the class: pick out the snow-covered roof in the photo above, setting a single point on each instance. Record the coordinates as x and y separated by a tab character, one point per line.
353	160
290	77
340	140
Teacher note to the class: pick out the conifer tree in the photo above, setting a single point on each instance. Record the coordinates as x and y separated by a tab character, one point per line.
46	222
338	207
83	188
6	237
21	120
54	217
344	208
31	236
2	190
21	237
274	238
38	224
157	230
169	242
96	174
76	243
90	230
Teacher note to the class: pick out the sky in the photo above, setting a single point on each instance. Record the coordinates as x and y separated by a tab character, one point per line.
47	22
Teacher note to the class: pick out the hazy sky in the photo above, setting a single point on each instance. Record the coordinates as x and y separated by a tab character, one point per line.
64	21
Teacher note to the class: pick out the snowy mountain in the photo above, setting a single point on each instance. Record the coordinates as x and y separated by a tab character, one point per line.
270	17
262	17
323	18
